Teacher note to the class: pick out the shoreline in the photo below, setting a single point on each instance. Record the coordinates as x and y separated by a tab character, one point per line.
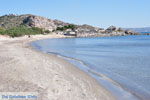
53	77
115	88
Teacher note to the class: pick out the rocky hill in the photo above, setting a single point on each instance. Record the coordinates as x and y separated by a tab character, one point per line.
9	21
59	27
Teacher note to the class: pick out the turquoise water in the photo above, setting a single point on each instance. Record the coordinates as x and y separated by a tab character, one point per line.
124	59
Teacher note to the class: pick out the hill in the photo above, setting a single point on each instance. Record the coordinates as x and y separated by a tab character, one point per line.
17	25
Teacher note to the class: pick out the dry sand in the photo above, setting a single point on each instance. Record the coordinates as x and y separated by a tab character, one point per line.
23	69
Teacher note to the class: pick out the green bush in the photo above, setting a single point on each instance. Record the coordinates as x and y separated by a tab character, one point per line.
71	26
36	30
47	31
2	30
60	29
21	30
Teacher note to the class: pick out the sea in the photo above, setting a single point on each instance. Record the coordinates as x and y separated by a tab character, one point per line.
119	63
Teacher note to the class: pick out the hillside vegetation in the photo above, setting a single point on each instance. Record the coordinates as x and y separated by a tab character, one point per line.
9	21
19	25
20	31
71	26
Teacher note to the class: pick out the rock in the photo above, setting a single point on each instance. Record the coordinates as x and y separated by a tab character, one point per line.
130	32
146	33
82	29
119	31
111	29
60	23
40	22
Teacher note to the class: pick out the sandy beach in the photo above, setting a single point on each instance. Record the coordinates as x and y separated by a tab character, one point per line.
23	69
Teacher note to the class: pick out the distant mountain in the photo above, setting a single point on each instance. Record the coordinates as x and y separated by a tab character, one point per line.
141	30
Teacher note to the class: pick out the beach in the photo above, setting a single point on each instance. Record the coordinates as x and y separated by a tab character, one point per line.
24	69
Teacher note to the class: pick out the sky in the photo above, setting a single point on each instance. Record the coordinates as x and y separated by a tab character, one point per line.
100	13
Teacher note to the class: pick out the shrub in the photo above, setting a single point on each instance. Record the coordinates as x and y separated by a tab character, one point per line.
47	31
2	30
70	26
36	30
21	30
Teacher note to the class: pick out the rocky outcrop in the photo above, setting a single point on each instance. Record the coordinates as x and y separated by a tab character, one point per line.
130	32
114	29
40	22
119	31
9	21
82	29
89	31
59	23
146	33
111	29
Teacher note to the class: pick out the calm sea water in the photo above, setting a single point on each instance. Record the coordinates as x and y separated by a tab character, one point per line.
124	59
